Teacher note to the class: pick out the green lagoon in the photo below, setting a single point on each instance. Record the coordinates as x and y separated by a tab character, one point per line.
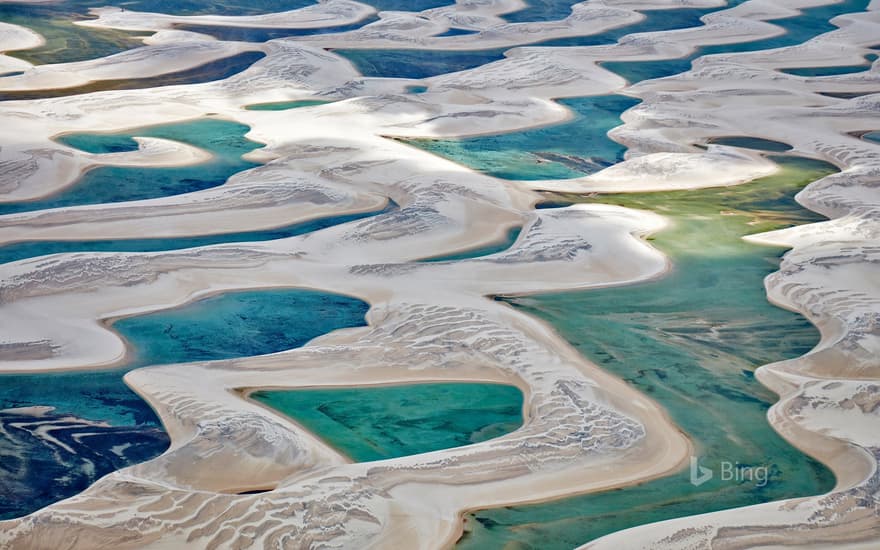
691	341
380	422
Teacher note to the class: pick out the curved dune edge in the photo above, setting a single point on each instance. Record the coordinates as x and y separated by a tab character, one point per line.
585	429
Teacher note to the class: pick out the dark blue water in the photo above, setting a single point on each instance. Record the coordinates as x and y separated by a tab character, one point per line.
541	10
427	63
116	184
827	71
753	143
456	32
30	249
251	34
41	472
487	250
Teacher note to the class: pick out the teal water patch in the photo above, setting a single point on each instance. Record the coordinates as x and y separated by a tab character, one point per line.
798	29
224	139
455	31
568	150
234	324
691	341
747	142
262	321
541	10
872	136
380	422
207	72
286	105
30	249
493	248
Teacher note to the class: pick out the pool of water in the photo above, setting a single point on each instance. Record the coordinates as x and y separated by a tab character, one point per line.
254	34
827	71
747	142
568	150
285	105
375	423
224	139
31	249
493	248
798	29
43	472
427	63
67	42
691	341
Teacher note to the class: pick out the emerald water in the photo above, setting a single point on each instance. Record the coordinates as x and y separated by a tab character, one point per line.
224	139
36	471
568	150
753	143
691	341
379	422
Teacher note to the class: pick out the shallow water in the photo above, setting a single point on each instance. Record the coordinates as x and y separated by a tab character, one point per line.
382	422
827	71
30	249
285	105
493	248
427	63
798	29
224	139
747	142
691	341
43	472
568	150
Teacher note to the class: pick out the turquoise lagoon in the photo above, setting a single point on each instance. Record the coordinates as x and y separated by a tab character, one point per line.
379	422
285	105
691	341
224	139
571	149
36	472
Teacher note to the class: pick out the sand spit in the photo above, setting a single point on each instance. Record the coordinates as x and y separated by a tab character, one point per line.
584	429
